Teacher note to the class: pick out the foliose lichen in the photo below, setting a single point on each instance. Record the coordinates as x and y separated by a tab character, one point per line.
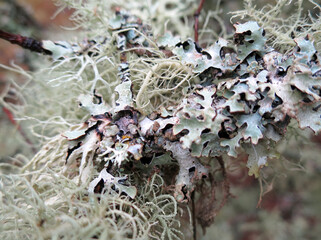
159	104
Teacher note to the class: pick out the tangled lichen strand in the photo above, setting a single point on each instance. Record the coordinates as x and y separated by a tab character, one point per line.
50	206
173	15
163	84
303	20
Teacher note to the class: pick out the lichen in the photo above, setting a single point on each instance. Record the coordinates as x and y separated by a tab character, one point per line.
156	113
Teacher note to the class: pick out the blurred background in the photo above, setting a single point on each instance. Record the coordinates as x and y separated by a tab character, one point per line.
32	18
291	187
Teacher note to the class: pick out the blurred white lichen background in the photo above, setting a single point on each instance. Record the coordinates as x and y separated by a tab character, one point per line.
130	127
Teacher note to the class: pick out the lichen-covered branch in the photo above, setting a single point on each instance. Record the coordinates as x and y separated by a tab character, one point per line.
245	103
166	105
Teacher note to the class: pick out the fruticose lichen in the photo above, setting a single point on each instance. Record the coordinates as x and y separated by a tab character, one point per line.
159	110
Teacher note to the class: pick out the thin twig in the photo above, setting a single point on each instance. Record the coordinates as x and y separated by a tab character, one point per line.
22	133
226	184
194	216
24	42
196	15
